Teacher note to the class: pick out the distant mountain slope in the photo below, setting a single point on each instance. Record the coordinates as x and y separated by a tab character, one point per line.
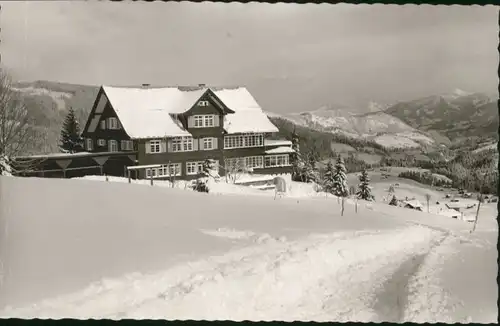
49	102
455	115
383	128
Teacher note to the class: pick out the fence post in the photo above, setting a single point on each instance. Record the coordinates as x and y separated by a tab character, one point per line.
106	178
129	181
151	178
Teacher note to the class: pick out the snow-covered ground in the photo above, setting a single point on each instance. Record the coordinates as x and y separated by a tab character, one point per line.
87	249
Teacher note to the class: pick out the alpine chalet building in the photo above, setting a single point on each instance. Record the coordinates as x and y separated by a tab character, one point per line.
171	131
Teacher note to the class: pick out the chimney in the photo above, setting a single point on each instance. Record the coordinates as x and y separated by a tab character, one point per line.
146	85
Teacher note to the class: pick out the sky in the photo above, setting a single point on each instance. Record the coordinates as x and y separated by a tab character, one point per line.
292	57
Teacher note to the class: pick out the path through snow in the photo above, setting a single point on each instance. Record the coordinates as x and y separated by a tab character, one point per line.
346	276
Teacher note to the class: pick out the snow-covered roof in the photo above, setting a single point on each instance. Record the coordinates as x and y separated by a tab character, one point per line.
248	120
413	203
456	205
277	142
280	150
147	112
449	213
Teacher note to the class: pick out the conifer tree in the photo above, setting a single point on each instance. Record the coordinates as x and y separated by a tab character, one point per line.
394	201
340	179
328	178
71	139
200	184
296	159
308	173
364	191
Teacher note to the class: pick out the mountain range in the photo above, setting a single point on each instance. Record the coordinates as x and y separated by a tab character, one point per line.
423	122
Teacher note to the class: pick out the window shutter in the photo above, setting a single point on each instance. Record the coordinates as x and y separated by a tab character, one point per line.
216	120
196	146
169	145
163	146
148	147
191	121
215	142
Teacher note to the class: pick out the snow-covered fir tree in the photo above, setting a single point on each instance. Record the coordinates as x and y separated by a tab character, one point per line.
364	191
328	178
308	173
340	179
394	201
208	170
71	139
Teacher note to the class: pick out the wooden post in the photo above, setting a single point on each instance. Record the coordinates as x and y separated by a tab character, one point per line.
342	213
151	177
480	198
107	178
64	173
102	169
129	181
356	206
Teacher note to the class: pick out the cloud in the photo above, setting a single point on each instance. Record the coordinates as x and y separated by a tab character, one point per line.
291	56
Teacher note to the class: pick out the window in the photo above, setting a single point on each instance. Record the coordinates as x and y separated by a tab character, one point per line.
127	145
201	121
277	160
103	124
173	169
254	162
89	144
155	146
182	144
208	144
101	142
203	103
113	146
187	143
192	168
250	162
251	140
234	164
209	121
198	121
113	123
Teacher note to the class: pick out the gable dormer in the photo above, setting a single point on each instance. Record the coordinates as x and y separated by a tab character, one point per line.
206	115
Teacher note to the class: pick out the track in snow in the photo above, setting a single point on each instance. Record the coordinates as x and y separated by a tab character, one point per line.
348	276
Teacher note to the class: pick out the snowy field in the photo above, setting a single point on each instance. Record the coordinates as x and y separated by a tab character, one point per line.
91	249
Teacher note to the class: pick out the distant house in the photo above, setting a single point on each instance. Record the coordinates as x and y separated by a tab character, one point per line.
457	206
413	204
171	131
450	213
